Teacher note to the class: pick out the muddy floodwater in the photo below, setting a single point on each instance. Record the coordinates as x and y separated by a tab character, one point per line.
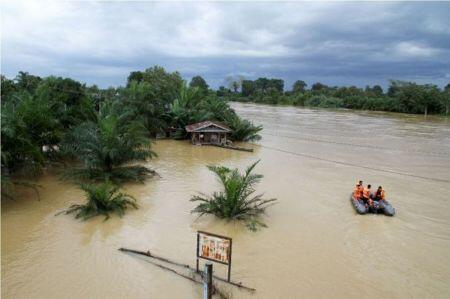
315	246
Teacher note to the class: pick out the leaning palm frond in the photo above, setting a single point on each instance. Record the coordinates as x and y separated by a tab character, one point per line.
236	201
102	199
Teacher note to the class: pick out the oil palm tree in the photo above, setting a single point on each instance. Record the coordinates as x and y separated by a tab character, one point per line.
21	153
102	199
237	200
27	124
187	109
242	129
108	147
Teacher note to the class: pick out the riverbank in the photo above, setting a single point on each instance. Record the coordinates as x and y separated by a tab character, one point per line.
439	105
429	117
315	244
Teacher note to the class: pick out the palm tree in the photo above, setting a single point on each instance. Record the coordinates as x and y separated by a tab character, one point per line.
236	201
108	147
191	106
101	200
242	129
141	98
27	124
186	109
20	151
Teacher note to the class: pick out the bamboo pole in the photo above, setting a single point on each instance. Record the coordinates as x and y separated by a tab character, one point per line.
243	149
149	254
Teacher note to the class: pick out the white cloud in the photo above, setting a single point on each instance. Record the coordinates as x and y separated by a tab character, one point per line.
414	49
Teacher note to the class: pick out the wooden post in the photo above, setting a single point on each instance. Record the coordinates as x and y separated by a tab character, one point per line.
229	261
196	254
207	281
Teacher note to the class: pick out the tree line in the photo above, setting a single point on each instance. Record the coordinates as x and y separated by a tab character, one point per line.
102	133
401	96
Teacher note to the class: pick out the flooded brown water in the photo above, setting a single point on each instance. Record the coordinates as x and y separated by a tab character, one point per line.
315	245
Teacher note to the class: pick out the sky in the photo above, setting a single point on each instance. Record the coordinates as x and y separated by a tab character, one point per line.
336	43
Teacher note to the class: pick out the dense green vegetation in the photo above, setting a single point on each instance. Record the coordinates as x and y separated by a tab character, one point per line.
108	145
237	200
102	133
102	199
406	97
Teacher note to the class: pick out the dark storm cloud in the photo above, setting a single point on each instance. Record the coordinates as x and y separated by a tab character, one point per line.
336	43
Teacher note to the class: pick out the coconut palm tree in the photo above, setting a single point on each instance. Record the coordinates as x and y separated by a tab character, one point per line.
237	200
108	147
102	199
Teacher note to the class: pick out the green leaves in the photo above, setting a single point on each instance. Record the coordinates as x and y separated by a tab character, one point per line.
102	199
107	147
27	125
191	106
415	98
237	200
401	96
106	131
243	130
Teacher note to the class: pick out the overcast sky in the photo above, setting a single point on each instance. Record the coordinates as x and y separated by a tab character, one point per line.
334	43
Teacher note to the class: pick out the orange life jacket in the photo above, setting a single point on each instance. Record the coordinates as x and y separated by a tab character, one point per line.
361	189
356	193
366	193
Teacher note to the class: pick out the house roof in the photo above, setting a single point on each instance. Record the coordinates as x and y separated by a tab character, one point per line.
205	126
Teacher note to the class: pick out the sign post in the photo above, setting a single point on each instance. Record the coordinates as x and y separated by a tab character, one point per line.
207	282
214	248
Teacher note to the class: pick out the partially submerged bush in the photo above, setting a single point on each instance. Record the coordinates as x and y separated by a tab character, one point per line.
236	201
102	199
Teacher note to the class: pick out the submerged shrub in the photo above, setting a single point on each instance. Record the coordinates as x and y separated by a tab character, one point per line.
237	200
102	199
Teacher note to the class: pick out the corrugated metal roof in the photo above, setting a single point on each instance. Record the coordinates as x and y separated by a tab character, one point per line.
205	124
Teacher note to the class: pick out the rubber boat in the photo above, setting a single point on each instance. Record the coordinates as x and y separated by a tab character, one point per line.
380	207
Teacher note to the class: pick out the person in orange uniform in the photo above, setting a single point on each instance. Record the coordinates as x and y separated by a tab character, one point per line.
361	189
356	193
380	194
366	195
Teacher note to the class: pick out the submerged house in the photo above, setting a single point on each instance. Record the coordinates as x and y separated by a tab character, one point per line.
208	132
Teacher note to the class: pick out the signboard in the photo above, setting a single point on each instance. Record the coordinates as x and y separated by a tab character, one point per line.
214	248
